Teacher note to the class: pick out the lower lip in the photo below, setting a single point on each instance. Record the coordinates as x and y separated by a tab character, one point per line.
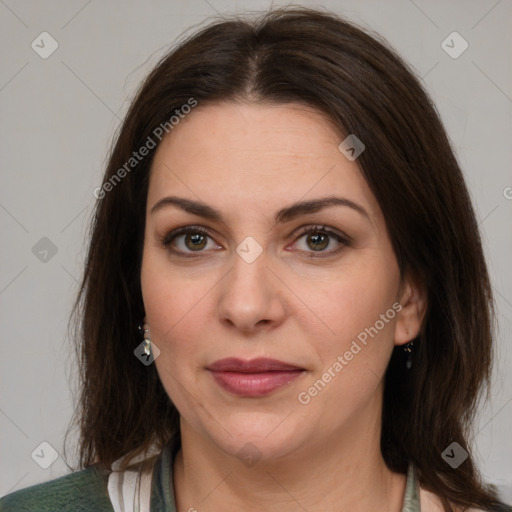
254	384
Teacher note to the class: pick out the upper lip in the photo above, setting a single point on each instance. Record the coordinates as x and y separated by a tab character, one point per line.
259	365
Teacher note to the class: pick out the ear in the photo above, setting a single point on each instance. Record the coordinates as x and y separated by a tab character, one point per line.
413	299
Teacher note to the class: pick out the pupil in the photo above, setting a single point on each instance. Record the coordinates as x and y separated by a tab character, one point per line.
196	240
316	239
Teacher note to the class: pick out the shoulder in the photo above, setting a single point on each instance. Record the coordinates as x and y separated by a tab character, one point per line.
80	491
430	502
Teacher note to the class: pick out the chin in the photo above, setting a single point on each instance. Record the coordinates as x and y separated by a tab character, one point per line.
251	436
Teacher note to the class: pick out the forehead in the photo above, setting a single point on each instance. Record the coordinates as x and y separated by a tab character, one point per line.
259	154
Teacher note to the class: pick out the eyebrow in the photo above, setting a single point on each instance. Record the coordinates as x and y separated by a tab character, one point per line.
284	215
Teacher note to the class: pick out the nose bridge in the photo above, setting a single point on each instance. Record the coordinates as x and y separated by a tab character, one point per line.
248	294
249	273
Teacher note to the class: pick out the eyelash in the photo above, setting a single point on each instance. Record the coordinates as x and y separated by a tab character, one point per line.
344	241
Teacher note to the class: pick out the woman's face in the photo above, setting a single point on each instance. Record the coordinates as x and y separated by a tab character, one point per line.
251	285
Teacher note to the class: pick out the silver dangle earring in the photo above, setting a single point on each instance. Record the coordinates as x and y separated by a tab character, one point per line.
144	330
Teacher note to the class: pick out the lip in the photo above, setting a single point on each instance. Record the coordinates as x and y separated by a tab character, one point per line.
254	377
259	365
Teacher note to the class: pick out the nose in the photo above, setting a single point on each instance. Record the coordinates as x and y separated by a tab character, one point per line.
251	298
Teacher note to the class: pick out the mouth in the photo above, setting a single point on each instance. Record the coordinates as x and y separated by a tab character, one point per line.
255	377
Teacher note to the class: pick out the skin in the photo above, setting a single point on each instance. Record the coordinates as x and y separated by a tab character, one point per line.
249	160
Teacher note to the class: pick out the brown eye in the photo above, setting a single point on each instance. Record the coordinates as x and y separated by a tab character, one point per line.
317	239
195	242
187	240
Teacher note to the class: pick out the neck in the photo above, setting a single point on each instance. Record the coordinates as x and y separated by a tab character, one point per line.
346	471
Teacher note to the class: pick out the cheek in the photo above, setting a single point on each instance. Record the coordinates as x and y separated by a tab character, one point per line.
342	305
171	294
353	357
176	310
357	309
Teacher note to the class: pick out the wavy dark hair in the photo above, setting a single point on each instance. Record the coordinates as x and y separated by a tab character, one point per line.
321	60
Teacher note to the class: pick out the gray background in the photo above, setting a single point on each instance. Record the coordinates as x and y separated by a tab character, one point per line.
58	116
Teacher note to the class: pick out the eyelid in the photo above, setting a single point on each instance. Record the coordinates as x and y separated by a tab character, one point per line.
307	228
168	237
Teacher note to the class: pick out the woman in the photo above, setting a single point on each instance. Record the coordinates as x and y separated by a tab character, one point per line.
284	217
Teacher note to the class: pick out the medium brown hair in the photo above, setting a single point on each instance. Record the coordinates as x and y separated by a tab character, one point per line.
321	60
